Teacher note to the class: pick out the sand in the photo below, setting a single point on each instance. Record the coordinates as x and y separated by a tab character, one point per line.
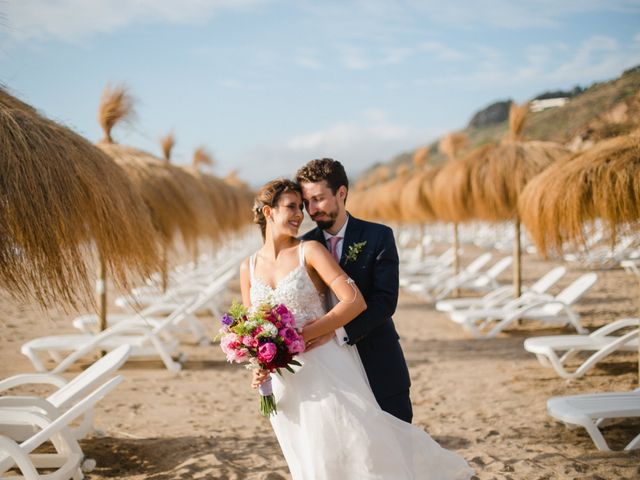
485	399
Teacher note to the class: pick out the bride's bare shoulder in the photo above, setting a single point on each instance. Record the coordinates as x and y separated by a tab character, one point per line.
244	266
313	246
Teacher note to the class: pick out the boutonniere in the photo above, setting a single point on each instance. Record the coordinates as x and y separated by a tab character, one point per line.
353	251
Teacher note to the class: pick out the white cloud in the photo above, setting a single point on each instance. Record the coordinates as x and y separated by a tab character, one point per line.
441	51
551	65
508	14
72	20
231	83
395	55
353	58
358	144
308	58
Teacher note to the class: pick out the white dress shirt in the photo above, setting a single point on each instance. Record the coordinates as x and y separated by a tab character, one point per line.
332	300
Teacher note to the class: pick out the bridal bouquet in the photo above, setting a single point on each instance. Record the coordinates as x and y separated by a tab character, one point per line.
265	337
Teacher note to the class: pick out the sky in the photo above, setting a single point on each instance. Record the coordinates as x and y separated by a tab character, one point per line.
266	85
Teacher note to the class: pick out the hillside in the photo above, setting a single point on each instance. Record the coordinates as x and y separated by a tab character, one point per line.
603	110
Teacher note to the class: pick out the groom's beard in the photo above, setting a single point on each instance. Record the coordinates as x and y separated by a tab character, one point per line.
328	223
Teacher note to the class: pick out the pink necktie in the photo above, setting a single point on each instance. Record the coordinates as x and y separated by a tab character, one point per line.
333	247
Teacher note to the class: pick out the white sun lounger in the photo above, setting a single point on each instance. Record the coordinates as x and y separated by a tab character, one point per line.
154	313
148	338
68	457
474	280
593	410
487	323
503	295
67	394
426	286
557	350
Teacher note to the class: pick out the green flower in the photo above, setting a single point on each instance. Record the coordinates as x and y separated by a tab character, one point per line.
353	250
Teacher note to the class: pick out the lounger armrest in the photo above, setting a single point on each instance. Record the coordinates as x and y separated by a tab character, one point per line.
526	308
615	326
499	294
32	378
19	402
573	317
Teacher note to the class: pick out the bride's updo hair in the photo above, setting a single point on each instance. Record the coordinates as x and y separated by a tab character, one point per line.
269	195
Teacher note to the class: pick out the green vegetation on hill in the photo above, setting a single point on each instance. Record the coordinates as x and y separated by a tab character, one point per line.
603	110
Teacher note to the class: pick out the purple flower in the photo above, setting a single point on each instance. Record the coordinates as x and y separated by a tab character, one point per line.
227	319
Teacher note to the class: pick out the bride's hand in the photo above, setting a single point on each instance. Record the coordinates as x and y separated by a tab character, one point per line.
259	377
318	341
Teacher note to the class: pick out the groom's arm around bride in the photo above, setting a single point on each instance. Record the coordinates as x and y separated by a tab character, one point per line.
369	256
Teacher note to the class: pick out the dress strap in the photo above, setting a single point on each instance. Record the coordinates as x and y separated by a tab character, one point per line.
301	252
252	265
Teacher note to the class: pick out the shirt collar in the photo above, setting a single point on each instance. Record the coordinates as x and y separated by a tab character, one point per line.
341	233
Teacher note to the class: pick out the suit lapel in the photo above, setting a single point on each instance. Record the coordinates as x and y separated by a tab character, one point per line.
316	234
351	236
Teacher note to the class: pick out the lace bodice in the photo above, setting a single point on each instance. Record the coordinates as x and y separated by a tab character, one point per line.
295	290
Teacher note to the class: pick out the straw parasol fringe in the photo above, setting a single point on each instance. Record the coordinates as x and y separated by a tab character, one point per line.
497	183
420	157
605	184
171	207
60	196
415	204
166	144
451	187
389	195
517	116
202	157
452	197
453	143
116	105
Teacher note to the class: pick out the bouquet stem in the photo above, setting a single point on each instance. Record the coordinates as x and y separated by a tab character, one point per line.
267	399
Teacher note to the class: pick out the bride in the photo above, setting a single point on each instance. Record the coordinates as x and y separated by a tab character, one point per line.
328	423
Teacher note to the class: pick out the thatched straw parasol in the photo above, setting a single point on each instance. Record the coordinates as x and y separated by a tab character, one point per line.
60	196
415	200
389	195
601	183
420	158
496	186
198	195
171	207
451	187
242	197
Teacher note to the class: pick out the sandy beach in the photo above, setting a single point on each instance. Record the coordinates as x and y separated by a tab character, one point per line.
485	399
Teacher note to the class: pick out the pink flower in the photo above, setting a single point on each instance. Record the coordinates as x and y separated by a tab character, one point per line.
241	355
297	346
289	335
229	344
249	341
287	319
266	352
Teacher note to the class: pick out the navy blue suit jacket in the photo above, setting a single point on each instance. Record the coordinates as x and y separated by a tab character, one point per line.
375	271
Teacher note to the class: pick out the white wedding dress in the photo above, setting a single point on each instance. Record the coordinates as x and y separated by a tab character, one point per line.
329	424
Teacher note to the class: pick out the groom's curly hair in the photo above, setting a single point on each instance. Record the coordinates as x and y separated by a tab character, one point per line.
326	169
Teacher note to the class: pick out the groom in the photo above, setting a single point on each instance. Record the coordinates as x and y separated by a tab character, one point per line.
367	253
